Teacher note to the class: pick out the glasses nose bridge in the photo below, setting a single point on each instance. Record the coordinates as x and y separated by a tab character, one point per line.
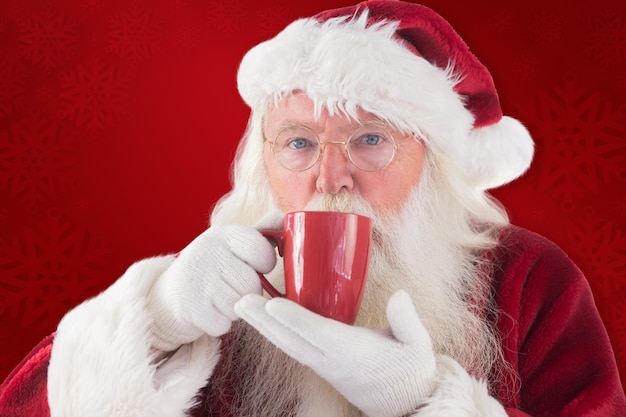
322	148
333	142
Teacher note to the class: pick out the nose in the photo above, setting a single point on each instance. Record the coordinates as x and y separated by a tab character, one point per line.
334	170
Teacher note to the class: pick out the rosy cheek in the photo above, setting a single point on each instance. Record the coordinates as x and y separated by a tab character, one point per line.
388	192
291	191
301	190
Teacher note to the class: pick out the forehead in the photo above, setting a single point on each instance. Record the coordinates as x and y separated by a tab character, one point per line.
298	108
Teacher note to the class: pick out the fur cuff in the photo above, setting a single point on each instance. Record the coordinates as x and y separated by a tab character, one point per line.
459	395
101	363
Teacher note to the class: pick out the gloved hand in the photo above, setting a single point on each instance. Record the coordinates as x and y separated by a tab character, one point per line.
384	374
198	291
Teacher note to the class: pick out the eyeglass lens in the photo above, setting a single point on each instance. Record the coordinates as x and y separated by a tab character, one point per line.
370	148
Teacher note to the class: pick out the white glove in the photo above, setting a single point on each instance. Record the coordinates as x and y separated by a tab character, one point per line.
384	374
197	293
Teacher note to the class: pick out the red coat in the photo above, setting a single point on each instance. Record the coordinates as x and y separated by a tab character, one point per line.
551	332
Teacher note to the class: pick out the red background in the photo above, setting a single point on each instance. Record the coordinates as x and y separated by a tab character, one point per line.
118	121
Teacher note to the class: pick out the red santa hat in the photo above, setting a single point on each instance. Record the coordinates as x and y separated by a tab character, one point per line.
404	63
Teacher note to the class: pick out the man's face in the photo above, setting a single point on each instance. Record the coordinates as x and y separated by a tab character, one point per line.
385	190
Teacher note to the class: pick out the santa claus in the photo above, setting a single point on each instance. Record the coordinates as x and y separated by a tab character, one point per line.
378	109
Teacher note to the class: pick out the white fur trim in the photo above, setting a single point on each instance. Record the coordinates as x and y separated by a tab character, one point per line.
323	60
459	395
101	362
497	154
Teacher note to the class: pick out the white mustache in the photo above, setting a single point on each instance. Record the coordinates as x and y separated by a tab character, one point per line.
342	202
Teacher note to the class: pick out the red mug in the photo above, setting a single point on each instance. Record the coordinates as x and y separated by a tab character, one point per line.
325	257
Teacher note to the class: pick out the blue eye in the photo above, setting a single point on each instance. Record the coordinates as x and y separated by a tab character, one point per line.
371	139
298	143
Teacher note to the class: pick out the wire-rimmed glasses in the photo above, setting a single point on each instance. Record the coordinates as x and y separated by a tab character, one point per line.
370	147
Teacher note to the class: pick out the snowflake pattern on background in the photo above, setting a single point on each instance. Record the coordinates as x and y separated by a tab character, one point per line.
546	27
94	95
91	7
44	92
12	82
36	160
44	265
225	16
186	35
15	7
525	68
46	38
502	20
134	35
584	136
606	40
600	250
4	28
272	20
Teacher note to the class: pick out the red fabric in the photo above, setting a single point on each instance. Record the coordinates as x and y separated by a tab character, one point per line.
24	392
552	336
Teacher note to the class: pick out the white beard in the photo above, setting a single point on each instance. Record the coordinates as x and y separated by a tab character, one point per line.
411	251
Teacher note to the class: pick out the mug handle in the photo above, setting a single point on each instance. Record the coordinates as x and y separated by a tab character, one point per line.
278	238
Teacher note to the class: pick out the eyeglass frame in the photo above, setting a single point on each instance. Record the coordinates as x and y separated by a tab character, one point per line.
322	146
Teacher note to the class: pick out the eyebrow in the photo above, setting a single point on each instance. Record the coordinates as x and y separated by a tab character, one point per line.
289	123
